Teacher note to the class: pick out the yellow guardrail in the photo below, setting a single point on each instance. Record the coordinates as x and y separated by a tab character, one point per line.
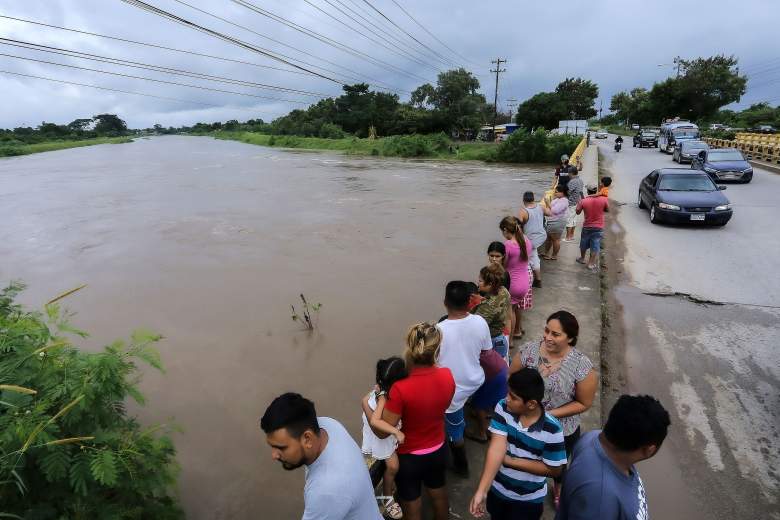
761	147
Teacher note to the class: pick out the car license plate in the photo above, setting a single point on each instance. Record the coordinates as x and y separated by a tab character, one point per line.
697	216
728	176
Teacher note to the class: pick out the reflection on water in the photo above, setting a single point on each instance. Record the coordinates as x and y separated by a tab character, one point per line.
209	242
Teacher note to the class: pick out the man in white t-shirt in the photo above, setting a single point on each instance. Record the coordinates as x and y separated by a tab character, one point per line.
464	337
338	486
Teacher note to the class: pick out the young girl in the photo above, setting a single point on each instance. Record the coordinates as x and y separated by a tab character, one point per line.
388	371
518	253
496	254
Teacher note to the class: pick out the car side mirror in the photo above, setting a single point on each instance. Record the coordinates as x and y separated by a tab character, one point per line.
721	187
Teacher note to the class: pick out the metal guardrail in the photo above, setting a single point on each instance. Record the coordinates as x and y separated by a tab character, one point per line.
760	147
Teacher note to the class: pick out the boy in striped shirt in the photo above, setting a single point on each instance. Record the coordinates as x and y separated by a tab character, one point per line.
526	447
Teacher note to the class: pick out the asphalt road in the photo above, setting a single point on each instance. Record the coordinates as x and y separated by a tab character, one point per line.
715	366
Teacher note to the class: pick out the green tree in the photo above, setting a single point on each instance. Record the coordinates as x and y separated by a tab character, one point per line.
634	107
578	96
109	124
68	447
79	125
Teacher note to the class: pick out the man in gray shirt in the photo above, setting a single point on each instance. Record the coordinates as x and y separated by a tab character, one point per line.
575	187
338	486
601	481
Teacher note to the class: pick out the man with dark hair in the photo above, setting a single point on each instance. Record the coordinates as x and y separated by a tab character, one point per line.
601	481
464	337
594	207
526	447
338	486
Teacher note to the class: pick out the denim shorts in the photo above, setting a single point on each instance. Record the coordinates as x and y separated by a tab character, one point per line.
591	239
455	425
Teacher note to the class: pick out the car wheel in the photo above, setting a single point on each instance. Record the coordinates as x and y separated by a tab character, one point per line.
639	201
747	178
653	215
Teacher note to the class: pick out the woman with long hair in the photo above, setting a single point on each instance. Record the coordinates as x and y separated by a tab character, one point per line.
518	252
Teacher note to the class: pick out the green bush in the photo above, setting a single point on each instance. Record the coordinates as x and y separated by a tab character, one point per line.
416	145
331	131
68	448
535	147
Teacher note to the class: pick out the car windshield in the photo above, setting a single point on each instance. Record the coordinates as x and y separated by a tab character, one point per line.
678	182
685	132
726	155
690	146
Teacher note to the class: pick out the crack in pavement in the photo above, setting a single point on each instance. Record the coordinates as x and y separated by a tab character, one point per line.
703	301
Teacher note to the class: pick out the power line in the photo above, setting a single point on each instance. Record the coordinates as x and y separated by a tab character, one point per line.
146	66
224	37
154	45
399	52
431	34
401	28
320	37
126	91
154	80
396	41
376	83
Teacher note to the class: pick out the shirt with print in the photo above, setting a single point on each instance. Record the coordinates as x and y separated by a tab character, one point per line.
575	187
542	441
596	488
560	385
338	486
494	309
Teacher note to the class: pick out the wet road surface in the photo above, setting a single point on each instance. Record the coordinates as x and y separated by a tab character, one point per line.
209	242
716	366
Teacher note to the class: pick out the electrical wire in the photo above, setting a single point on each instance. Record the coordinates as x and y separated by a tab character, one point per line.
146	66
320	37
153	79
145	94
401	28
235	41
376	83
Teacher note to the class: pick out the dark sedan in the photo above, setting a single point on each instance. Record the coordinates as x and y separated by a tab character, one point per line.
724	164
680	195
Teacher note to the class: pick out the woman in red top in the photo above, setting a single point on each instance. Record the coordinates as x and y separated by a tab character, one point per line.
419	403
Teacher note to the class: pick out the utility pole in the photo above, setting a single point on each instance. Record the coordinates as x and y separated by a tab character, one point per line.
499	70
601	107
511	103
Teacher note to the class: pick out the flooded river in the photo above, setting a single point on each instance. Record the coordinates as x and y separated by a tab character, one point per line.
209	242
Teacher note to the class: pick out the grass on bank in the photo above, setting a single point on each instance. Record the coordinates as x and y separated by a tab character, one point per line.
520	147
8	150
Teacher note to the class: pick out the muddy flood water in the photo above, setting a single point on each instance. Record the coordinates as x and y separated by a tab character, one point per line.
209	242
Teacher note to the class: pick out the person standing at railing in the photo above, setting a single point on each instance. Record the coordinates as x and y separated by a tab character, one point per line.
575	187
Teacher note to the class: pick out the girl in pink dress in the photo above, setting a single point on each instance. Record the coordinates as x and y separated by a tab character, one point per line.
516	263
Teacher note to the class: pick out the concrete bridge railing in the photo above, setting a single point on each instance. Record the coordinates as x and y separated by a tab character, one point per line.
761	147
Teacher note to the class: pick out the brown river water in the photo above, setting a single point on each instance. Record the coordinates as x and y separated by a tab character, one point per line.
209	242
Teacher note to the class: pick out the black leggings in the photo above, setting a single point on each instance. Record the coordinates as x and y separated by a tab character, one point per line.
569	441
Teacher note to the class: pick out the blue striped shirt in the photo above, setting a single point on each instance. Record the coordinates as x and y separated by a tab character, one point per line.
543	441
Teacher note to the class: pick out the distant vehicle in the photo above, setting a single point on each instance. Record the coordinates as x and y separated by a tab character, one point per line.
646	138
680	195
724	164
768	129
673	133
601	134
635	127
717	126
688	150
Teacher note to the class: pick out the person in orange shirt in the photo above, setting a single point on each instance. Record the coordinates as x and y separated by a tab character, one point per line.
606	182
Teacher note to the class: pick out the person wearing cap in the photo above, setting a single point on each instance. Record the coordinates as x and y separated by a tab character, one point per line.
562	171
594	207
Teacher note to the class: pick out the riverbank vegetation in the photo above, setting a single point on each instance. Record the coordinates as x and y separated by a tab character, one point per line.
46	137
521	146
68	446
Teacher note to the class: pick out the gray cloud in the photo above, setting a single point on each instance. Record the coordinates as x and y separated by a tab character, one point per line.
617	44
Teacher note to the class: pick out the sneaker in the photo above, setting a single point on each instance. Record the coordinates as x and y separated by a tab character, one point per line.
393	510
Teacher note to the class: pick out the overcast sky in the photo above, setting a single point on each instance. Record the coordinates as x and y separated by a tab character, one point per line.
614	43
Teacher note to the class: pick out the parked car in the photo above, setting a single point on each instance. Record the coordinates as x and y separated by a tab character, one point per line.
681	195
724	164
646	138
601	134
686	151
635	127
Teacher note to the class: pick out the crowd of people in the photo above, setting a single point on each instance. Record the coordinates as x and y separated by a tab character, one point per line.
527	407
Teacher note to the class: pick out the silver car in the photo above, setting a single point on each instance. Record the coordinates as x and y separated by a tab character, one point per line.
687	150
601	134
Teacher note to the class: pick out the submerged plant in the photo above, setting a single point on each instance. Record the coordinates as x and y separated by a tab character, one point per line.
307	309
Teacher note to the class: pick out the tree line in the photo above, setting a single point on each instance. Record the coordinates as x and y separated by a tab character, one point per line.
101	125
